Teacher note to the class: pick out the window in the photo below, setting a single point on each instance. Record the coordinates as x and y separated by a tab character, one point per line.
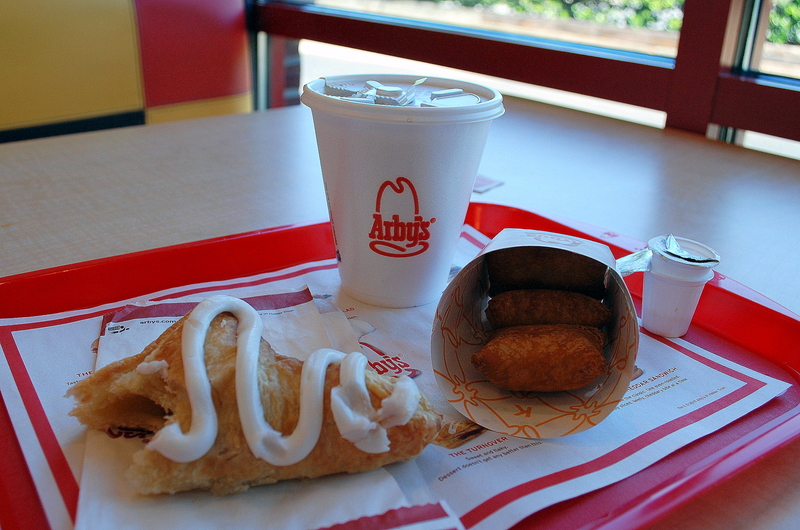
644	26
775	39
699	83
768	49
319	59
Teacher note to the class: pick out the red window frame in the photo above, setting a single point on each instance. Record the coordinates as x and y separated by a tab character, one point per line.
696	89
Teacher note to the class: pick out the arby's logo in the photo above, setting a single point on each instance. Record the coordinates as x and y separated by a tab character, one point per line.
398	229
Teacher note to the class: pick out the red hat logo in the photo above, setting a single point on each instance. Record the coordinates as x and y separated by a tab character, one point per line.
393	234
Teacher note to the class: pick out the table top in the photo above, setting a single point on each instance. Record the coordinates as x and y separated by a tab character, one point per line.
80	197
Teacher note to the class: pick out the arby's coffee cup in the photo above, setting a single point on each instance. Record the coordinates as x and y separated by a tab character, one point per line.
399	157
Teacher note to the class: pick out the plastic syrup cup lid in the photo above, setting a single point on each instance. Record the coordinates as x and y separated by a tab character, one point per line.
403	99
697	264
684	250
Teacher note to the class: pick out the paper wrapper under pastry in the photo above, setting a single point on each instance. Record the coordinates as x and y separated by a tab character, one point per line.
538	267
549	358
118	397
545	306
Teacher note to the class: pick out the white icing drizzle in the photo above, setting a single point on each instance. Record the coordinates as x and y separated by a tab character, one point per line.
170	441
152	367
399	407
265	442
352	409
353	413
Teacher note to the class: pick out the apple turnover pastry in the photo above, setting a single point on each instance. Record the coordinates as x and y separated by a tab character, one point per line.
229	413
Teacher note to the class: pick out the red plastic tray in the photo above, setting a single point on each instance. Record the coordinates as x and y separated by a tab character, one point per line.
731	320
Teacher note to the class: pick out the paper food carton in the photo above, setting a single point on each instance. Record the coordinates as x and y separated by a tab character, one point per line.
460	328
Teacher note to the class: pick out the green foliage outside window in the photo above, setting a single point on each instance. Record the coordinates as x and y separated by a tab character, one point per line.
784	22
664	15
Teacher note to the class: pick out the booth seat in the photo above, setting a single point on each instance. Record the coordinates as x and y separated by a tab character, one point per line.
90	64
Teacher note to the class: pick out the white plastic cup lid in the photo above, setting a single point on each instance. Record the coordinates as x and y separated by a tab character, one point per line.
668	264
403	99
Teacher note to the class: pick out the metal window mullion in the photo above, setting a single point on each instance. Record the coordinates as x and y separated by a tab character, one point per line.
750	39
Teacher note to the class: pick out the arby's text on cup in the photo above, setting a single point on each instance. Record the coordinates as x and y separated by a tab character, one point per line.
399	234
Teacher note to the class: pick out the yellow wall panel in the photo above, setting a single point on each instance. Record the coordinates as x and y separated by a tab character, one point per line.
63	60
238	104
